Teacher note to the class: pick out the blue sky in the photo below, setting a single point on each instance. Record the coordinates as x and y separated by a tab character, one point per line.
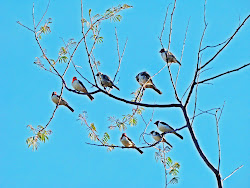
65	160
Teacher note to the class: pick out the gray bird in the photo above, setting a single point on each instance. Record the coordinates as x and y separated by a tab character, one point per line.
157	137
168	57
55	99
105	81
78	86
143	78
164	127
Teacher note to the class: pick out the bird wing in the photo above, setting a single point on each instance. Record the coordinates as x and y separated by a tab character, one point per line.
105	77
63	101
147	77
82	85
131	141
167	125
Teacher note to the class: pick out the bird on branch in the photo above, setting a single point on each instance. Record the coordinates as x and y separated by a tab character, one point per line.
144	79
157	137
164	127
78	86
127	142
105	81
55	99
168	57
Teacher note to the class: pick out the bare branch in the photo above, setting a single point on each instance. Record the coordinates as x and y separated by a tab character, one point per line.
233	172
43	14
33	16
170	33
163	28
172	81
200	82
230	39
25	26
184	42
198	59
203	156
215	45
82	18
53	114
120	57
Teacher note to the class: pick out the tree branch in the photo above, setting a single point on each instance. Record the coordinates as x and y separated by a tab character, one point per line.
219	75
229	40
233	172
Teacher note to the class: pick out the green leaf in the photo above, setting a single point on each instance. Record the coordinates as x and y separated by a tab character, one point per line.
63	59
132	121
92	126
106	138
169	161
174	180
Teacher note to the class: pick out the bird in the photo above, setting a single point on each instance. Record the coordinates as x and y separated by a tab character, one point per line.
78	86
143	78
105	81
157	137
127	142
164	127
168	57
55	99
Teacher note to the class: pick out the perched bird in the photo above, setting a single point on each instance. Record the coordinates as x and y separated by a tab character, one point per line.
157	137
55	99
78	86
144	77
127	142
164	127
168	57
105	81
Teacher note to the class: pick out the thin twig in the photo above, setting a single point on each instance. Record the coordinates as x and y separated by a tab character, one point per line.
230	39
184	42
120	57
43	14
170	32
163	28
219	75
233	172
25	26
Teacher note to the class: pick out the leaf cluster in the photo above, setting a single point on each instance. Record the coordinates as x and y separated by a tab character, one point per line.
40	135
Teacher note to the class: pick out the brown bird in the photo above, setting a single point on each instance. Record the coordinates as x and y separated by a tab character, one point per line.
127	142
168	57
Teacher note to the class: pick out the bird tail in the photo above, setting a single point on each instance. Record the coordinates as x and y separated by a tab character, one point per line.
181	137
157	90
116	87
90	97
141	152
178	62
71	109
164	140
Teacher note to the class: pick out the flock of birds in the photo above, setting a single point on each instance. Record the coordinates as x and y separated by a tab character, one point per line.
144	79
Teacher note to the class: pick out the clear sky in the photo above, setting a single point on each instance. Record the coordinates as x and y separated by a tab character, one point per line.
65	160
